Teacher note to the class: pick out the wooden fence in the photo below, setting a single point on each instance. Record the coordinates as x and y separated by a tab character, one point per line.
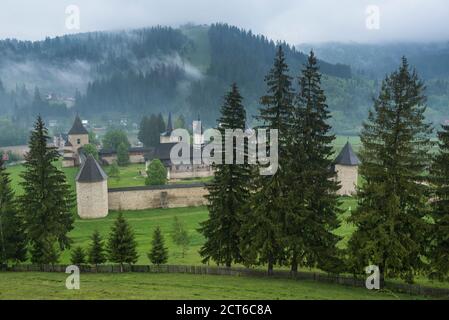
412	289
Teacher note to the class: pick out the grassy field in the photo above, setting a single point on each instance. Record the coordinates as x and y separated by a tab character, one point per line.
176	286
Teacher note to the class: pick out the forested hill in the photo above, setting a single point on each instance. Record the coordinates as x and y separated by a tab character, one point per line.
137	72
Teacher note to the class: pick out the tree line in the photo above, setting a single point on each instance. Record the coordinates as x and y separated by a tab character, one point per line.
290	218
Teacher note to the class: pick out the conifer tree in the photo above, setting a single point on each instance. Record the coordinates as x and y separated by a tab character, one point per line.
47	202
393	200
439	174
78	256
122	155
122	245
262	233
96	253
12	236
312	215
228	192
159	253
180	235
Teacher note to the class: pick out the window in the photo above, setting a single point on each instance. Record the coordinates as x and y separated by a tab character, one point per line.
78	141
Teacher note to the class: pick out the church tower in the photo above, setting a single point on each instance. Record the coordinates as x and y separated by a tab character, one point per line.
166	136
92	190
346	166
78	135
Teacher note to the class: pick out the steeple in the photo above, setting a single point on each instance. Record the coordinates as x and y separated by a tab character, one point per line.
77	127
169	124
347	157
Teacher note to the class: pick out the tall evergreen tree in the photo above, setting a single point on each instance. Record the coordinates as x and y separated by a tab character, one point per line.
262	234
96	254
313	202
122	245
439	174
78	256
228	192
47	200
12	236
393	200
159	253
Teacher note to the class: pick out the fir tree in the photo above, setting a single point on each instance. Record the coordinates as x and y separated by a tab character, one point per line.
439	174
122	155
393	200
121	245
312	215
180	235
159	253
78	256
47	202
96	252
228	192
12	237
263	238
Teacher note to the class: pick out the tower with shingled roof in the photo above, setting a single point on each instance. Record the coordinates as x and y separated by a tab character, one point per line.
77	137
92	190
346	166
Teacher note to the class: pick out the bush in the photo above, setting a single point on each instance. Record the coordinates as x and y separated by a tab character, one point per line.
156	173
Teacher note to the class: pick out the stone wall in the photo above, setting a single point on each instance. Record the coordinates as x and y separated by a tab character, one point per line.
168	196
92	199
133	158
347	176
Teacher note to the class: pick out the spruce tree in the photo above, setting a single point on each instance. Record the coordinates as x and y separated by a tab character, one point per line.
47	201
393	200
78	256
96	253
121	245
159	253
313	202
262	233
12	236
439	174
228	192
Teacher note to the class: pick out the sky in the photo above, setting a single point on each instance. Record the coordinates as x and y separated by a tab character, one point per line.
294	21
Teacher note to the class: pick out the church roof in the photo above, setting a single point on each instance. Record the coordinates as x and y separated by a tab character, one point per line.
78	127
91	171
169	129
347	157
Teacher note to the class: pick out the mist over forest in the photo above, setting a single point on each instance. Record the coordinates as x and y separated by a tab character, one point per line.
128	74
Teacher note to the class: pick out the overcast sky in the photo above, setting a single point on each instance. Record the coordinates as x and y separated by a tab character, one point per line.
296	21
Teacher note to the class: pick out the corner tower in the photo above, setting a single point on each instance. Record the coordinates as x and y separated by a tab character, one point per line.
346	166
92	190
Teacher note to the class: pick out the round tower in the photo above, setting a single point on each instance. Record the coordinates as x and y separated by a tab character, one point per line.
346	166
92	190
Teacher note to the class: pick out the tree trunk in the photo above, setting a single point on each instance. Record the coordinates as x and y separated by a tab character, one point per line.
270	268
294	267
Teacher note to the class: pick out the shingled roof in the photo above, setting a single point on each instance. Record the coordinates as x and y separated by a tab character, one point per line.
91	171
169	129
347	157
78	127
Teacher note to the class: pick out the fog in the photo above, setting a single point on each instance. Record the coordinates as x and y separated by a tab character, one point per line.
296	21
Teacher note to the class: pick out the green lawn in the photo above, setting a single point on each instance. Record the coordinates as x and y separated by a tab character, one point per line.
143	224
175	286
